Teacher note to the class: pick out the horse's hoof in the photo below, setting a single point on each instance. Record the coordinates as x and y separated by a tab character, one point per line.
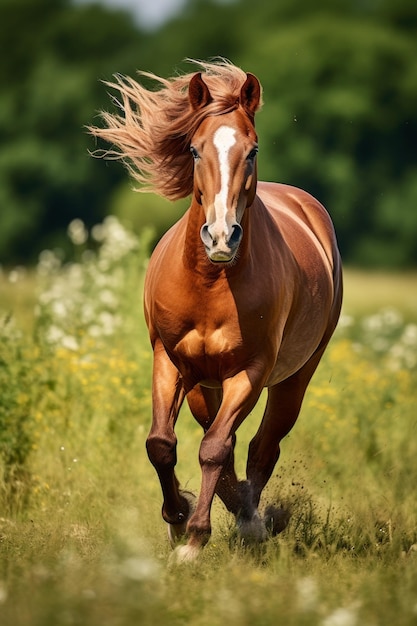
276	519
177	531
252	530
184	554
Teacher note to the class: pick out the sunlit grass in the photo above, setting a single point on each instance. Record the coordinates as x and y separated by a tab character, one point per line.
368	292
81	536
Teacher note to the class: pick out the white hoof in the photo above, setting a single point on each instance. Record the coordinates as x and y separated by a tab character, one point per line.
184	554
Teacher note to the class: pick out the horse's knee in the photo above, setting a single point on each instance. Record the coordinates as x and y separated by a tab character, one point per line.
215	452
162	450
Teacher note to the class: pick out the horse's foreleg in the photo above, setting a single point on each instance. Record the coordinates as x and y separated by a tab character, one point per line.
204	404
167	397
240	394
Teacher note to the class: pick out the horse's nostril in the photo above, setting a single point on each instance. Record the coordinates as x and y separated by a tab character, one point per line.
206	238
236	235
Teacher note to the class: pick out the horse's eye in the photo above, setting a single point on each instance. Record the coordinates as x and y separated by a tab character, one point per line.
194	152
252	154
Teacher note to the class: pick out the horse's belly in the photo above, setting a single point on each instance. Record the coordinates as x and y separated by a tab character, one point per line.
211	383
292	356
282	371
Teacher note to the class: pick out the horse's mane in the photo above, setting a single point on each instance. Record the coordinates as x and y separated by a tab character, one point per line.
152	135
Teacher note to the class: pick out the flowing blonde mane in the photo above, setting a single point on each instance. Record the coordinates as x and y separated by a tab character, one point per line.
152	135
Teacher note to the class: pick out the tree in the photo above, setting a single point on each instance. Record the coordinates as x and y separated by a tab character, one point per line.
49	92
340	88
338	121
339	118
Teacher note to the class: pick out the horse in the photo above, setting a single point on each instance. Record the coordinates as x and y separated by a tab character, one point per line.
242	293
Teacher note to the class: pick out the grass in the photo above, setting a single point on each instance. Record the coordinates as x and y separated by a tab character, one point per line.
81	537
368	292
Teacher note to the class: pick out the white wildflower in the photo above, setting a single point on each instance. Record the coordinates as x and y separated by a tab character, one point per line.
3	592
86	296
383	322
16	274
77	232
409	336
391	318
95	331
48	263
346	321
70	343
87	313
98	232
54	334
109	322
307	593
342	617
108	298
59	309
140	569
116	241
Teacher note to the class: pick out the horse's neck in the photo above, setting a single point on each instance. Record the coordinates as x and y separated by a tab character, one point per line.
194	255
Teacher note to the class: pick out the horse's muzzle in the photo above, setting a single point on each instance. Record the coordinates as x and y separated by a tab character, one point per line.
221	249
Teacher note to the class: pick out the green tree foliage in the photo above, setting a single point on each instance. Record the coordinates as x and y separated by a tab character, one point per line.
339	121
52	57
340	88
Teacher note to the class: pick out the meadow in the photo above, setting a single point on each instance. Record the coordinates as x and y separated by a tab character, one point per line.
81	537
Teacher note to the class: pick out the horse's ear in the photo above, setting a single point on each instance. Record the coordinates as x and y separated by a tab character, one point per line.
198	92
250	94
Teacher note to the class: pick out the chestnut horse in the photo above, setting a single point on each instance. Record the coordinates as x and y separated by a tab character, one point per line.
243	292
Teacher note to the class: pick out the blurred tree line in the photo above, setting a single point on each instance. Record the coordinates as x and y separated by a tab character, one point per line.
339	120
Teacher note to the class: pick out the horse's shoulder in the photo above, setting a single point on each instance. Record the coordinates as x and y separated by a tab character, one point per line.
280	199
276	194
301	219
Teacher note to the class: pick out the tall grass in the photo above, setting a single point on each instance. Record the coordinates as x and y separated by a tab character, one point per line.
81	537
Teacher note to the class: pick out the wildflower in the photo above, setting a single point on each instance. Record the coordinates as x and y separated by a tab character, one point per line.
48	263
342	617
140	568
115	239
77	232
16	274
345	321
70	343
3	593
54	334
108	298
307	593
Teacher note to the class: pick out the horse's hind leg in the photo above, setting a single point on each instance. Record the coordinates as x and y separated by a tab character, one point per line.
281	412
167	396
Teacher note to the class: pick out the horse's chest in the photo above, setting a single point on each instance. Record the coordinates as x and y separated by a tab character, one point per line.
208	354
198	325
209	335
213	343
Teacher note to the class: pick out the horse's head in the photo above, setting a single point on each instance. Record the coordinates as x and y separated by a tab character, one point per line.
224	148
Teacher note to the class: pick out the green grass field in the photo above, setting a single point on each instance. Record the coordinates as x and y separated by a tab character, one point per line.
81	537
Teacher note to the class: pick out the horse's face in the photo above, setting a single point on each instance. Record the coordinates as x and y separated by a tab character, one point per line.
224	148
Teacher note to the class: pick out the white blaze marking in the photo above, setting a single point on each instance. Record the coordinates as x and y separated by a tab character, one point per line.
224	139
